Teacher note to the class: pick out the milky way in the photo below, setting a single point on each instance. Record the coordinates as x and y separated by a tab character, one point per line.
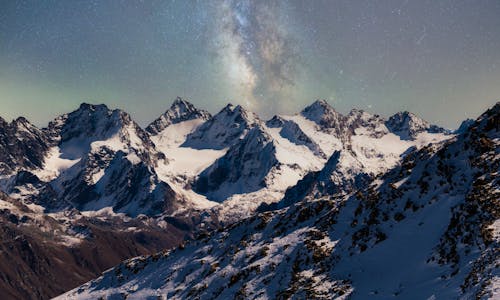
439	59
257	51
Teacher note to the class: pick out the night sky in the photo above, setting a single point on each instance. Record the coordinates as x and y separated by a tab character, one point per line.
439	59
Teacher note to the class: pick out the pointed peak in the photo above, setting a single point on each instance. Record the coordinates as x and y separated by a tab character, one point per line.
231	109
228	108
275	122
179	99
407	125
322	114
181	102
406	116
181	106
180	110
21	123
320	102
318	106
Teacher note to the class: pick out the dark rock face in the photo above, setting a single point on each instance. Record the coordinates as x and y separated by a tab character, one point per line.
223	130
22	145
326	117
464	126
292	132
247	163
408	125
328	181
275	122
181	110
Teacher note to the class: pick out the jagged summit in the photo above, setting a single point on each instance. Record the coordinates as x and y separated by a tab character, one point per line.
319	111
326	117
223	130
275	122
408	125
76	133
180	110
22	145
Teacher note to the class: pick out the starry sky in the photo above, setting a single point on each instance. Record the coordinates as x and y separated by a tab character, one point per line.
438	59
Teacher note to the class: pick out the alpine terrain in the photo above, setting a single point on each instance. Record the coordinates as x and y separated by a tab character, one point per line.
315	205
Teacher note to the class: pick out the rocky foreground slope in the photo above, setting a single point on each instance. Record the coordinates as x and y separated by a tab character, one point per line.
429	228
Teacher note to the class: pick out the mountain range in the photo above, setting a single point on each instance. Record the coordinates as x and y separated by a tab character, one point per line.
315	205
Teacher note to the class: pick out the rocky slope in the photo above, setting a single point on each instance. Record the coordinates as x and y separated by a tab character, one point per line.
436	214
22	145
43	255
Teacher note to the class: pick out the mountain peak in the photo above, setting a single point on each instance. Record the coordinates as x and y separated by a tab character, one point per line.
224	129
318	110
180	110
181	101
228	107
323	114
275	122
320	102
407	125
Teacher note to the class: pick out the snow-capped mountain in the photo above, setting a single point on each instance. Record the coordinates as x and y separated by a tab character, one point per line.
242	169
180	111
407	125
96	157
110	162
426	229
22	145
223	130
302	143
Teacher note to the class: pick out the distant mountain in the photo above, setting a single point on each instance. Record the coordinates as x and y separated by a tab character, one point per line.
113	163
407	125
428	228
22	145
224	129
180	111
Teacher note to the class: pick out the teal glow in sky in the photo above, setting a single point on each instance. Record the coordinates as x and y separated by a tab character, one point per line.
439	59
